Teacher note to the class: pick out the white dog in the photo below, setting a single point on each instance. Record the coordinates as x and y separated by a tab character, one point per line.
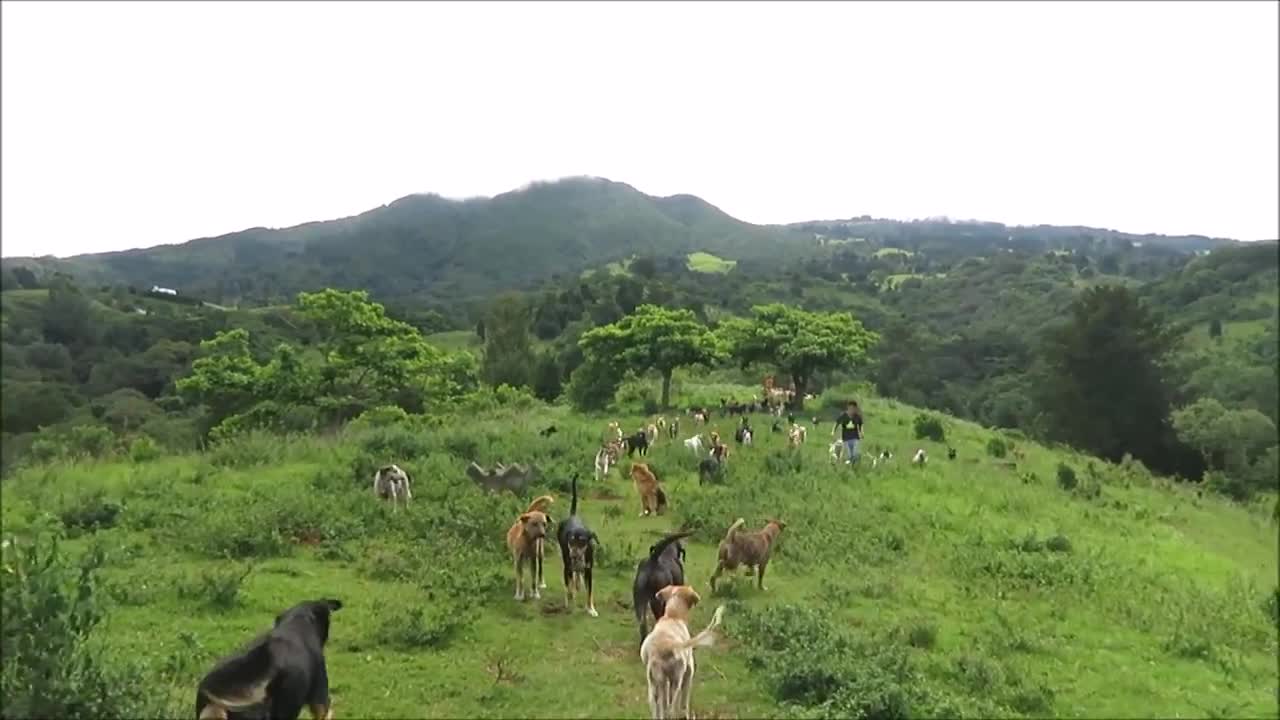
606	457
695	444
883	457
746	437
667	653
920	458
390	482
836	450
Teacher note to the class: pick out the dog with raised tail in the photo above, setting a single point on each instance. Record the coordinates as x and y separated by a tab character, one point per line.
664	566
577	552
747	549
920	458
667	653
392	483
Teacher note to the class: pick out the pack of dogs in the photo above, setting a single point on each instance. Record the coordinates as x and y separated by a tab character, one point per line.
283	669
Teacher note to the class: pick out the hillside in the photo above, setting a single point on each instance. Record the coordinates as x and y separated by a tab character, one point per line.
979	587
429	247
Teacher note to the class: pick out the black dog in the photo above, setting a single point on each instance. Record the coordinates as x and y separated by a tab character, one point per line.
708	470
663	567
282	669
548	432
951	453
638	443
577	553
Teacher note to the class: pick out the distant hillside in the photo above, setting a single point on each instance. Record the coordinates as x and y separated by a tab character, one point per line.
429	247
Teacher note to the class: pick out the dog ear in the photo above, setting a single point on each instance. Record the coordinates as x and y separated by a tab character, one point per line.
333	603
665	593
689	595
524	518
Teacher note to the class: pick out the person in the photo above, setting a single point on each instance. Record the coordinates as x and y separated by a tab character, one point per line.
850	425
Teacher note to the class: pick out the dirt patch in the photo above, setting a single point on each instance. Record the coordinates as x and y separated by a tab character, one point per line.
603	494
552	609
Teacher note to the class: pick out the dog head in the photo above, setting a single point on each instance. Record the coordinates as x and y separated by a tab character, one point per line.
776	524
316	612
686	597
578	541
534	524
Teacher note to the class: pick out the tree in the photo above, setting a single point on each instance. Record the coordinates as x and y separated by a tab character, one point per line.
653	338
225	379
67	317
546	377
1215	328
508	347
1104	387
1229	440
798	342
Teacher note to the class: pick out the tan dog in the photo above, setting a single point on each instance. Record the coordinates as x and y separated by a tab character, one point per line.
652	498
613	432
795	436
523	540
540	504
667	653
750	549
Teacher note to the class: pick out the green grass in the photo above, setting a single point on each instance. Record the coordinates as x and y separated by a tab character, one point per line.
1156	610
708	263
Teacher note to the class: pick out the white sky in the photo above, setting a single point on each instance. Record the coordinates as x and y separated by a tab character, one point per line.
134	124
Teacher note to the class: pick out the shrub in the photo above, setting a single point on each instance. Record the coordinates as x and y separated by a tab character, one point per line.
379	417
996	448
51	665
91	512
923	636
143	449
929	427
218	588
422	626
1066	477
248	449
1058	543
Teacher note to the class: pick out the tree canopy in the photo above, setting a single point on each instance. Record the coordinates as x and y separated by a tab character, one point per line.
652	338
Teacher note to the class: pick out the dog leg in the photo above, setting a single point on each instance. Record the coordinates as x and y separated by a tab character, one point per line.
519	569
542	581
321	712
686	690
716	575
591	593
533	580
655	696
760	575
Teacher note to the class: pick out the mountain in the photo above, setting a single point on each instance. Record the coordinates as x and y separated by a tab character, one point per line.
432	250
433	247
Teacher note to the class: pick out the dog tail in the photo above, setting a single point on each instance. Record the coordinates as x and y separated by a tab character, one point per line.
707	637
662	497
573	508
540	503
733	529
238	682
660	546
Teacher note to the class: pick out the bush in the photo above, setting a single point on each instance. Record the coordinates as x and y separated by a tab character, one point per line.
218	588
592	386
1066	477
379	417
929	427
923	636
1058	544
51	667
143	449
996	448
91	512
422	626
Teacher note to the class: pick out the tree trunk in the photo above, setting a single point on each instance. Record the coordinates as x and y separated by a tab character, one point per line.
666	389
801	384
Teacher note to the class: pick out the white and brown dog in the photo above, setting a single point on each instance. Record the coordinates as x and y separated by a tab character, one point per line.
667	653
392	483
607	457
695	444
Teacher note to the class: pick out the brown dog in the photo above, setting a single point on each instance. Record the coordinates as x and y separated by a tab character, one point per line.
652	498
540	504
750	549
523	540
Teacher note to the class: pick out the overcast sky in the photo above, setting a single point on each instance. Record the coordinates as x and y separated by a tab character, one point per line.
135	124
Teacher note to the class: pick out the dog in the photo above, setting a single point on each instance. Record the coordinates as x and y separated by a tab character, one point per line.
776	426
709	470
577	553
283	669
502	477
795	436
390	482
613	431
548	432
652	498
920	458
606	457
836	451
638	443
523	541
673	428
650	434
742	435
667	653
664	566
749	549
951	453
720	453
694	443
662	422
883	457
540	504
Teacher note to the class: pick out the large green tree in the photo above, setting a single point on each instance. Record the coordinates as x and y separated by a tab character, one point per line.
508	346
797	342
1104	386
653	338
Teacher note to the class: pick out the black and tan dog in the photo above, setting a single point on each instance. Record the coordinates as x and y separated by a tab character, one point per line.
748	549
577	551
283	669
663	567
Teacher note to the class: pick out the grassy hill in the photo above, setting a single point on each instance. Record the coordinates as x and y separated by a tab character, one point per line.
974	587
430	247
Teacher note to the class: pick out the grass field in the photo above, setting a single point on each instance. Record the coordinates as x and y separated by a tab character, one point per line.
973	587
708	263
